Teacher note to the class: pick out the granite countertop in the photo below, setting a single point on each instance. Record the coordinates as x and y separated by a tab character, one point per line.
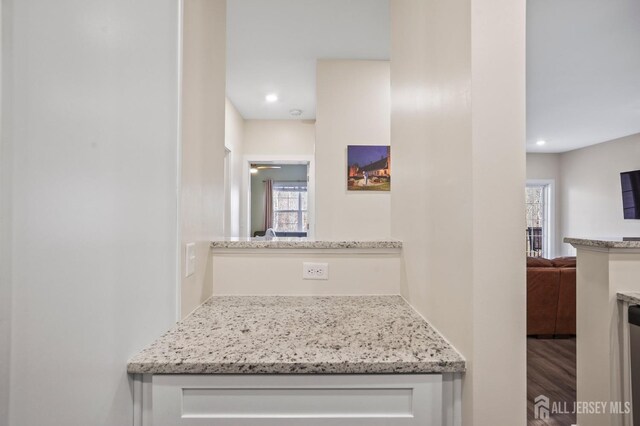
632	297
616	242
300	334
302	243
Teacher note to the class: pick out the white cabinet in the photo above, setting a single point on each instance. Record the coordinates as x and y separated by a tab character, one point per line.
309	400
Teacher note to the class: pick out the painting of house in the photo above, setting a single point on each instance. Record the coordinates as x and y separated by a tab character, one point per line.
369	168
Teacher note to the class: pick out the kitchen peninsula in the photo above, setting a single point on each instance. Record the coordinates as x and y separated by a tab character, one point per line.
605	267
330	360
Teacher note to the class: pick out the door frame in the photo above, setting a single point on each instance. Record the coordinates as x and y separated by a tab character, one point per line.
228	176
245	204
549	234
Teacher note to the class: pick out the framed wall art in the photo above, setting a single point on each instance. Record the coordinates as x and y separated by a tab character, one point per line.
368	168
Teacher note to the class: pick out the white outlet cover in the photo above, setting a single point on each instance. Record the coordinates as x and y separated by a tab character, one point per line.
315	271
190	259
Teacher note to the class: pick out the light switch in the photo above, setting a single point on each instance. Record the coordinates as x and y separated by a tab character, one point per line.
190	259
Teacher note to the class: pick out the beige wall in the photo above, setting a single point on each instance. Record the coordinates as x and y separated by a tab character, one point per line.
543	166
233	141
588	198
457	127
591	201
274	140
499	167
431	209
353	100
279	137
547	167
203	116
281	274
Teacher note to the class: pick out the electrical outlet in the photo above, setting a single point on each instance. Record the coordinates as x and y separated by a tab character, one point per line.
315	271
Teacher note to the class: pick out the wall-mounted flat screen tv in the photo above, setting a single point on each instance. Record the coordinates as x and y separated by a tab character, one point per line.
631	194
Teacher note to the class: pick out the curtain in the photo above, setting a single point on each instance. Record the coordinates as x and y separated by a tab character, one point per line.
268	204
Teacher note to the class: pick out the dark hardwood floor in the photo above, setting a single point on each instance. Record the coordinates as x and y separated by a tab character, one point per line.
551	371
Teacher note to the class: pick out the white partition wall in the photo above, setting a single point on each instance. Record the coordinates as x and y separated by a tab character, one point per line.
5	246
233	142
202	142
89	172
458	138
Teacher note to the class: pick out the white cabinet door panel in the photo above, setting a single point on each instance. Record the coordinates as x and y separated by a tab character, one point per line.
332	400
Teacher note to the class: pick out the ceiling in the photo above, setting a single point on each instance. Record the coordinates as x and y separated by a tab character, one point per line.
583	72
272	47
583	61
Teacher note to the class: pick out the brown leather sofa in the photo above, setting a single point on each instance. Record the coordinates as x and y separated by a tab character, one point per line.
551	296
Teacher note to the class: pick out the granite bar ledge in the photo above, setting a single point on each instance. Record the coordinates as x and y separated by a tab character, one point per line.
300	335
303	243
605	243
631	297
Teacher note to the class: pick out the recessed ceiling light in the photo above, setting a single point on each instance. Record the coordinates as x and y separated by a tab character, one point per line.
271	97
540	143
295	112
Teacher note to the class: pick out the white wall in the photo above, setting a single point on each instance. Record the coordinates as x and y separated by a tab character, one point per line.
89	145
203	138
546	167
591	200
233	141
353	108
279	137
457	131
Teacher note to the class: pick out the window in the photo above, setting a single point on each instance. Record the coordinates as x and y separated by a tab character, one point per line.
290	207
538	225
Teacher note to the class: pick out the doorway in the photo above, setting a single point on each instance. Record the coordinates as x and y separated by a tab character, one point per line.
551	344
279	195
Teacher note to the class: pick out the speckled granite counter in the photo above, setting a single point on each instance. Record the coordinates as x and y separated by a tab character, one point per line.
294	335
303	243
616	243
631	297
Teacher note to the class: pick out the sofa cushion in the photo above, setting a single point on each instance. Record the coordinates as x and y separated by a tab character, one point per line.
543	285
566	316
539	262
564	262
